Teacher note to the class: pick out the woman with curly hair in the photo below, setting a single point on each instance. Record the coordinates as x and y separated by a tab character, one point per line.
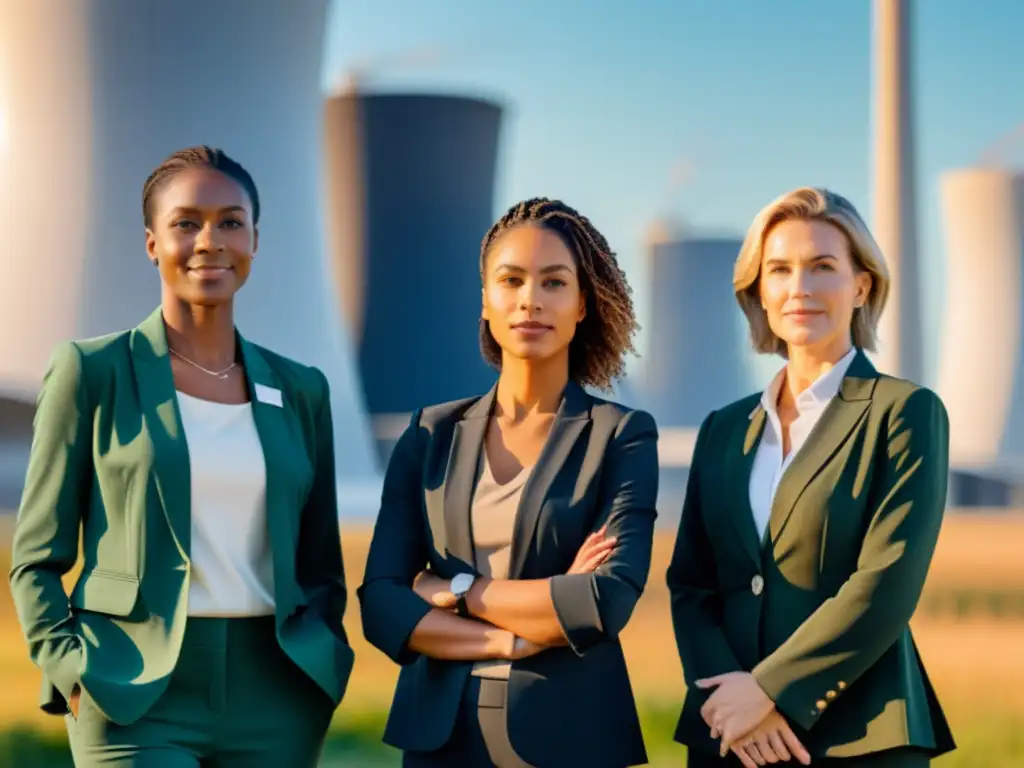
515	529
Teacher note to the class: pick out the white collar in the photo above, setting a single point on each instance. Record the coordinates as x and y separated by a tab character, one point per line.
824	388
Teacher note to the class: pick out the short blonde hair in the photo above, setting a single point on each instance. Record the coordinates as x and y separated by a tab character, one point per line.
810	204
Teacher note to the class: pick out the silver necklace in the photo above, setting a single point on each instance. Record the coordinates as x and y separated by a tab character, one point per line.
216	374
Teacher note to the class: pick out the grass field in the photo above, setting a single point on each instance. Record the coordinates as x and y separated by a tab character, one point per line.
969	627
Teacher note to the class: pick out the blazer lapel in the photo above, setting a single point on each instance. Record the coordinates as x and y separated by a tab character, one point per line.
738	469
159	403
460	477
843	413
268	411
572	417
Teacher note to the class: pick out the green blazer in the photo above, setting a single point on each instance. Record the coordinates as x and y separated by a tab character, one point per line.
109	456
819	610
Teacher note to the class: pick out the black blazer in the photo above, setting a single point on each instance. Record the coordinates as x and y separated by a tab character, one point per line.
571	705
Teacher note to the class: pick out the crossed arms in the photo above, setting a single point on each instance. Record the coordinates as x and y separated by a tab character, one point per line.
406	612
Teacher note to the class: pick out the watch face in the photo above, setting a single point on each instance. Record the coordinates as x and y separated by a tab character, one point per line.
461	583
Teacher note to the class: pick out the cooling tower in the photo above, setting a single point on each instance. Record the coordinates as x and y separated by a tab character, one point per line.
410	197
94	94
695	359
981	370
894	215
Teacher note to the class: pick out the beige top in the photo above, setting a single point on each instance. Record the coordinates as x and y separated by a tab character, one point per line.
493	516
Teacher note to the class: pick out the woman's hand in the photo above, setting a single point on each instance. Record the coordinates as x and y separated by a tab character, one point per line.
736	708
773	741
434	590
595	550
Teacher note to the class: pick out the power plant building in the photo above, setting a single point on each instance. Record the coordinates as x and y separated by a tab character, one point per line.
93	95
981	368
410	193
696	359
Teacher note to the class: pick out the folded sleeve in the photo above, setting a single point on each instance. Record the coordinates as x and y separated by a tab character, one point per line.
595	607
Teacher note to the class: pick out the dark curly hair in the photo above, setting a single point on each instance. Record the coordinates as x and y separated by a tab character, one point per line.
198	157
605	335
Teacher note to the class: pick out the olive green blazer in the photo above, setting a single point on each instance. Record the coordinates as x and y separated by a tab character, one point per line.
109	458
819	610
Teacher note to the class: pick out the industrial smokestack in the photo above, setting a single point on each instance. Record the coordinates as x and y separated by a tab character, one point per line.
895	207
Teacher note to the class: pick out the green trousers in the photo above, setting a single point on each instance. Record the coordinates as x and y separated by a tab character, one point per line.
233	701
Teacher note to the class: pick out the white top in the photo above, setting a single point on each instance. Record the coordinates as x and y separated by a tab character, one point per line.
232	570
769	463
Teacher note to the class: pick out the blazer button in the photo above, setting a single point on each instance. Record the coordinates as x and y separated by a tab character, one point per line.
820	705
830	695
757	584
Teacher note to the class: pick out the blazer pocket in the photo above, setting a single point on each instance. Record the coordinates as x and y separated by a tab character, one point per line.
109	592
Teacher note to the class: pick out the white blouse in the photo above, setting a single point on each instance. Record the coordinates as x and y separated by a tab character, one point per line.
769	463
232	570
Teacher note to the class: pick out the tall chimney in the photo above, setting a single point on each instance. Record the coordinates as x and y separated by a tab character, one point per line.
894	203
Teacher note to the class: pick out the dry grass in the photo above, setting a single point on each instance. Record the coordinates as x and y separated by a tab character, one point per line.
976	665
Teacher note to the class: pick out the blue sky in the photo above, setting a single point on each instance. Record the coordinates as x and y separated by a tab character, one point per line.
606	99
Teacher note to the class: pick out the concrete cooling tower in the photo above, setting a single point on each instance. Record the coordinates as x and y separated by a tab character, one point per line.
93	95
695	360
981	369
410	197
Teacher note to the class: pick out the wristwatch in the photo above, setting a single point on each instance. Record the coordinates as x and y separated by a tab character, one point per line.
459	587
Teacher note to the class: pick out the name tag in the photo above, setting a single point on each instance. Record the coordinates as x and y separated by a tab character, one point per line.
268	395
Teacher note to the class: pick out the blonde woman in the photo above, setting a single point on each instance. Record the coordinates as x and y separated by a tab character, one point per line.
810	518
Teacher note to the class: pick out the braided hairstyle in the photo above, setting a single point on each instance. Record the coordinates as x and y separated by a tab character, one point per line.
197	157
605	335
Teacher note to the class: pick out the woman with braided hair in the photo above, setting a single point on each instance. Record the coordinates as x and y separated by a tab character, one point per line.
205	628
515	530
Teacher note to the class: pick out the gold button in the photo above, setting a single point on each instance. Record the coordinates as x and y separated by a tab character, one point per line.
821	705
757	584
830	695
841	685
